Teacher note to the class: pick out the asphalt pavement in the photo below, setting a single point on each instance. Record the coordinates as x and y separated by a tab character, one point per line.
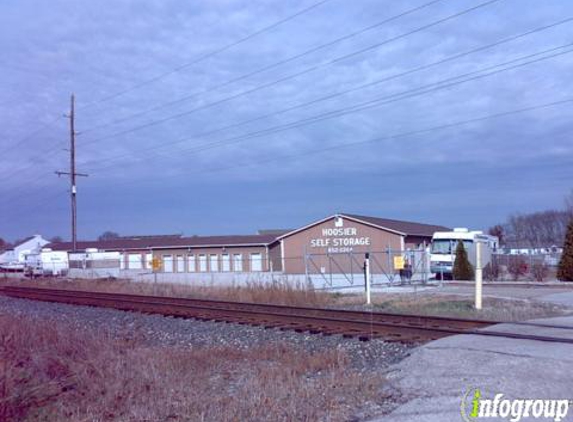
439	376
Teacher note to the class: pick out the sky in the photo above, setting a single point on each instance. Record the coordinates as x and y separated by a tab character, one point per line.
229	116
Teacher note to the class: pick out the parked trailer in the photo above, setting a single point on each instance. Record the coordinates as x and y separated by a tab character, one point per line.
95	264
46	262
443	249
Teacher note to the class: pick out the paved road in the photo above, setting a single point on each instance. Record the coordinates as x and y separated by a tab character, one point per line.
435	378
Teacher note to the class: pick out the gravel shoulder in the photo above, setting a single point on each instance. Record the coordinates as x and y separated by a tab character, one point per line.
156	330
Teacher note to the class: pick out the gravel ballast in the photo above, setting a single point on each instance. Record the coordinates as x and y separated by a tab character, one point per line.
157	330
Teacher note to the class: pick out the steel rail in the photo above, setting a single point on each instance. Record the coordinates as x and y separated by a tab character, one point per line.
364	325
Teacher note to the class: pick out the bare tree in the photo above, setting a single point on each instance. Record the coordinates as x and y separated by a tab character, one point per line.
537	230
569	203
499	232
108	235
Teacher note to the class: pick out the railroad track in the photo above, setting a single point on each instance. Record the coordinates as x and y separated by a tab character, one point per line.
359	324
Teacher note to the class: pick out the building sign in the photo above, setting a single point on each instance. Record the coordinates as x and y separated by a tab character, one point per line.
156	264
399	262
339	239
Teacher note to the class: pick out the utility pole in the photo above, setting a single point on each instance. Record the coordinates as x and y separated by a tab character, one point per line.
72	173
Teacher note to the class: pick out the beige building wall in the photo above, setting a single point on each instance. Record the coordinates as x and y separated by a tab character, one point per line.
213	259
343	239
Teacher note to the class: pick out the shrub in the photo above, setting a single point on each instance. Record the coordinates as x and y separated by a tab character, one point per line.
492	271
517	266
462	270
565	270
539	271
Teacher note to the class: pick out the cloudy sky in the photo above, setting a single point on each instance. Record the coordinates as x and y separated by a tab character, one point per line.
226	116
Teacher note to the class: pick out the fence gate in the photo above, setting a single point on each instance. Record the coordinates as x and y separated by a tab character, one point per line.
346	270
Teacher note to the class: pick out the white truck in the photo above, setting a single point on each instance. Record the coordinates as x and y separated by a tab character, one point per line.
443	249
46	262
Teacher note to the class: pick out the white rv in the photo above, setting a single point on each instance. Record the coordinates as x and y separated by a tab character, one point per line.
46	262
443	250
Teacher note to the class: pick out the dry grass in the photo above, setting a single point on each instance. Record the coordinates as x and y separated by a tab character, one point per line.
456	306
53	373
278	292
298	294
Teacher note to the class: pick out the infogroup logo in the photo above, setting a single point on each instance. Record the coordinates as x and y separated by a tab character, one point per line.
475	406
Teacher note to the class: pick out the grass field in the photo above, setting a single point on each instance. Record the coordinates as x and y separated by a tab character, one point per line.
297	294
455	306
283	293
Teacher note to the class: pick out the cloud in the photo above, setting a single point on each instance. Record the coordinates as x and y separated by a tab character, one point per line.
98	49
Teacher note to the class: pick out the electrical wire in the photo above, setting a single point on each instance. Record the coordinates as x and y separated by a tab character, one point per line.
354	89
292	76
206	56
264	68
386	99
393	137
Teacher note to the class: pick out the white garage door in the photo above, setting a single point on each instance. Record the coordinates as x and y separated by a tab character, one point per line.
168	263
256	262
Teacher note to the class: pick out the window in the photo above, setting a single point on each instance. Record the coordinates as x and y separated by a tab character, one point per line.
202	263
180	263
213	263
256	262
134	261
168	263
225	262
149	261
238	262
448	246
191	263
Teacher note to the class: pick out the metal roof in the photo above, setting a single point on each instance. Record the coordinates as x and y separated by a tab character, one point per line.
403	228
408	227
166	242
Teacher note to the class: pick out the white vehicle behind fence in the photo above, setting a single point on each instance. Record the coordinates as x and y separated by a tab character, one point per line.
443	250
95	264
46	262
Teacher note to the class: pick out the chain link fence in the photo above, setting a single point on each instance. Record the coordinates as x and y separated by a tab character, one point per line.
390	267
524	267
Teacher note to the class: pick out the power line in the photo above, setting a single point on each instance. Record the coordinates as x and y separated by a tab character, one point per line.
39	202
405	134
294	57
386	99
354	89
18	171
396	136
207	55
292	76
266	67
372	103
33	133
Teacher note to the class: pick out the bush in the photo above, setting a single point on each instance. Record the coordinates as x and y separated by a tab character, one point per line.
565	271
492	271
517	266
539	271
462	270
